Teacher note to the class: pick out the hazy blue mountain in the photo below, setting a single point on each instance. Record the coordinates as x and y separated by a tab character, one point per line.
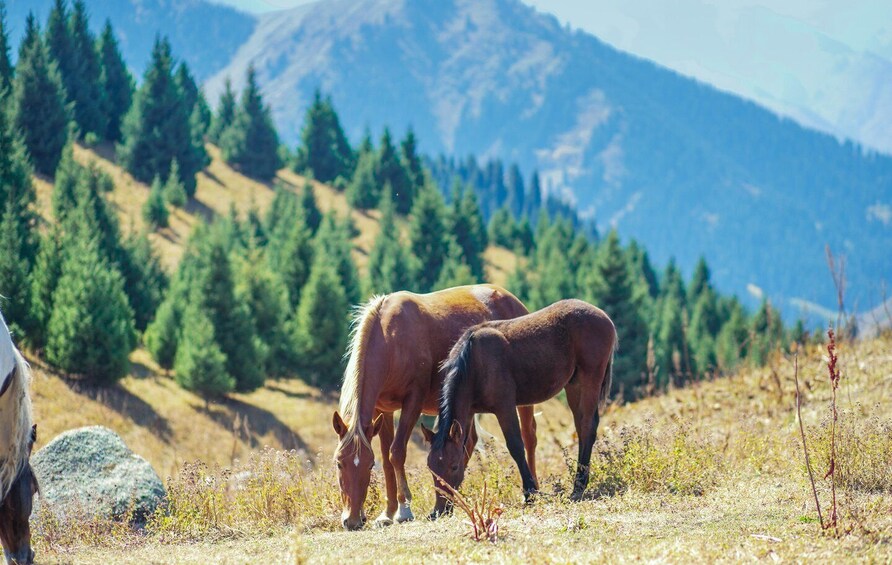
206	35
673	162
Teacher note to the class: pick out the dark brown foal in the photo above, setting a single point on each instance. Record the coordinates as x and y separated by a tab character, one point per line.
499	365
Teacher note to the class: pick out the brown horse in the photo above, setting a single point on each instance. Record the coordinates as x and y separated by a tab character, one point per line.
497	366
398	344
17	435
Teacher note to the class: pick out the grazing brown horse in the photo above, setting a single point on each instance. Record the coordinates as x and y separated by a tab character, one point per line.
497	366
398	344
17	436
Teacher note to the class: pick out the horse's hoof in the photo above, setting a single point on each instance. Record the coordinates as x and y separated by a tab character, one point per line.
404	514
576	496
530	496
383	521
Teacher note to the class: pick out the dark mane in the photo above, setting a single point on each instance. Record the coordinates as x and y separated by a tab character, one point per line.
456	368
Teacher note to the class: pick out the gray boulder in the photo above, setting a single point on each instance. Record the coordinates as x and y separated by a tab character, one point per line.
90	471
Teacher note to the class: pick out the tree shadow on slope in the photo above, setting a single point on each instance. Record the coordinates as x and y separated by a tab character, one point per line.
251	423
125	403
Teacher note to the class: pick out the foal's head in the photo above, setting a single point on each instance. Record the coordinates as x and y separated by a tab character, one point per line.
354	459
15	513
447	461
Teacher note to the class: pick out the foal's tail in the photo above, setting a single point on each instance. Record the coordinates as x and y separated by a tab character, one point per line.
608	373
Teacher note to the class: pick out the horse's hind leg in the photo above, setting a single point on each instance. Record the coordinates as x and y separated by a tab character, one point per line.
582	396
386	437
528	433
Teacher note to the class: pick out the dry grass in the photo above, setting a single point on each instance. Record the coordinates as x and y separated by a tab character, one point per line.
712	472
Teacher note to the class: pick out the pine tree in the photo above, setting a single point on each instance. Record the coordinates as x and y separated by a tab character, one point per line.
267	300
389	268
60	44
16	188
700	282
157	128
611	289
44	278
320	326
467	228
310	210
154	211
116	83
502	228
174	191
68	174
389	170
200	364
193	99
533	200
284	207
516	201
39	108
15	297
671	347
251	142
731	344
84	87
767	331
162	335
144	279
428	238
414	171
333	242
704	329
225	113
455	271
6	69
90	331
363	192
324	149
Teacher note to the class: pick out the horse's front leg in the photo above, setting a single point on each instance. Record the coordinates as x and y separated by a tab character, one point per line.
386	437
409	414
507	416
528	433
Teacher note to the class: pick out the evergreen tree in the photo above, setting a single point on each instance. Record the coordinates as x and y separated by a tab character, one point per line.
200	364
389	268
267	300
15	299
162	335
84	87
60	44
16	188
533	200
310	210
225	113
39	107
767	334
611	289
731	344
251	142
157	128
6	69
90	331
116	83
467	228
363	192
174	191
320	326
193	99
389	170
284	207
700	282
68	174
290	252
44	278
144	278
455	271
324	149
414	172
516	200
333	243
672	354
704	329
428	238
154	211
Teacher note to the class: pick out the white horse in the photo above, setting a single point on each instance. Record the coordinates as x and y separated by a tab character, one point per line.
17	435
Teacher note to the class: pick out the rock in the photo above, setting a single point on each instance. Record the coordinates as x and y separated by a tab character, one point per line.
91	471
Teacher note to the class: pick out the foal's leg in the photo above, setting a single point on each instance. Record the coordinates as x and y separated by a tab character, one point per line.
409	414
507	416
528	433
386	436
471	440
582	396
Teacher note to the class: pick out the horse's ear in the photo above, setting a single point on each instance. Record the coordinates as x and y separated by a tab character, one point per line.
455	432
428	434
339	426
375	426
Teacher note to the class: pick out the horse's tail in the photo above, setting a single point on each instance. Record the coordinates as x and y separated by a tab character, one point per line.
608	373
456	369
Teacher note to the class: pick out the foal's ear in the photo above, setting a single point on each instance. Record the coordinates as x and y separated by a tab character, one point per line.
428	434
375	427
455	432
339	426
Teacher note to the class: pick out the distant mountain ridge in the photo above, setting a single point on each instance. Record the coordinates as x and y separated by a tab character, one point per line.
675	163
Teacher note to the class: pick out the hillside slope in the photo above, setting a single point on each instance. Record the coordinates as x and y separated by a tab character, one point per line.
683	168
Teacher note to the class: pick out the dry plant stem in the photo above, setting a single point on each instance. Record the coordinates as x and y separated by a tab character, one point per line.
838	273
834	384
811	475
483	515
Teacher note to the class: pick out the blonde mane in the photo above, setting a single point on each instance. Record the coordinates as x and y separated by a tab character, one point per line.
351	390
15	412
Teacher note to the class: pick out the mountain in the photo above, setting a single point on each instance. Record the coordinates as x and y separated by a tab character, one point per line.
672	162
205	35
827	64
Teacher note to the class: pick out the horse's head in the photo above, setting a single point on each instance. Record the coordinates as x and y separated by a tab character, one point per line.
15	513
447	461
354	459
